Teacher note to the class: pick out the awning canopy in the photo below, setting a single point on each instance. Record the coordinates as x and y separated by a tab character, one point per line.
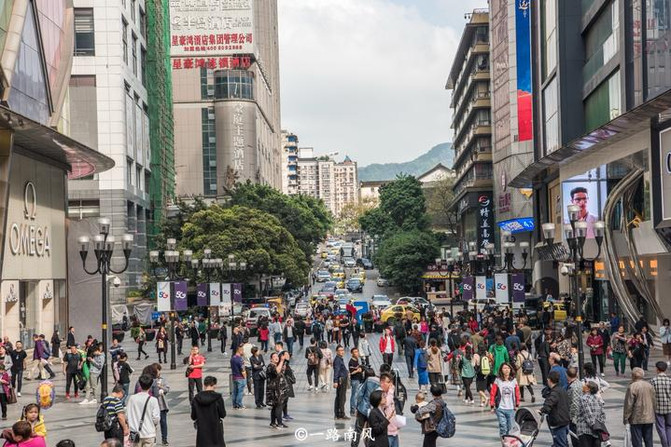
79	160
444	275
617	129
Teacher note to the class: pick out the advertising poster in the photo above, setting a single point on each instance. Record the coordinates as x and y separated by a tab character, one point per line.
226	292
501	288
588	192
180	296
518	285
467	285
163	298
215	293
524	84
480	287
237	293
201	295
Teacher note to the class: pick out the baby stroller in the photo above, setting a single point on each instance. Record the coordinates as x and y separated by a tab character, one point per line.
525	432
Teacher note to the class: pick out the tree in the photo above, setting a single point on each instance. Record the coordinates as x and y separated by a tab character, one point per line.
376	222
442	214
252	235
403	256
171	227
403	202
350	215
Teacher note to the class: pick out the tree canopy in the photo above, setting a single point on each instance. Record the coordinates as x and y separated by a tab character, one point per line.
403	257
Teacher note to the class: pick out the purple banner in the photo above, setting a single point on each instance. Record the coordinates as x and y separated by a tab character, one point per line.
468	285
237	293
180	296
518	283
201	296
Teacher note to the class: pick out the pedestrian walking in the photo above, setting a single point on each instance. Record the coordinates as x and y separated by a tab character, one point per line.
194	371
355	377
314	356
377	421
276	389
161	384
639	409
194	334
524	364
665	338
409	348
40	356
18	356
143	414
96	362
504	398
435	361
619	345
421	363
247	347
179	336
467	370
70	341
289	335
574	392
264	333
207	412
596	348
370	384
141	339
123	373
162	344
113	405
387	347
56	344
556	407
325	366
662	386
542	345
72	365
239	375
429	415
5	389
389	410
364	349
258	369
340	383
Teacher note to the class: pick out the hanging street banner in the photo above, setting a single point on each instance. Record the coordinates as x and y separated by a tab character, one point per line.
163	298
501	288
201	295
467	285
237	293
226	292
180	296
480	287
215	293
518	285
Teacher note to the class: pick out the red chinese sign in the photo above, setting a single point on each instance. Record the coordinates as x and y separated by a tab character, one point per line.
193	43
211	62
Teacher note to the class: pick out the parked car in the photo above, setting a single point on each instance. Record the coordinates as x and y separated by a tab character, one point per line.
323	276
380	301
354	285
390	313
303	309
415	301
256	313
381	282
365	263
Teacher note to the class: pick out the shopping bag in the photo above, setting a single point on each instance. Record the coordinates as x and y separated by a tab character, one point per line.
627	436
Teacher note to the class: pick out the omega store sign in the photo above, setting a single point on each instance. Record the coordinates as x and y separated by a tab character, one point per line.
34	249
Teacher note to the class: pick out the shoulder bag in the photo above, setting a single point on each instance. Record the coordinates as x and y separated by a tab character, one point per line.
134	436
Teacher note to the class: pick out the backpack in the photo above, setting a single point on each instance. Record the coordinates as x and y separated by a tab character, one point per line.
313	358
104	420
423	360
485	366
45	394
447	424
527	366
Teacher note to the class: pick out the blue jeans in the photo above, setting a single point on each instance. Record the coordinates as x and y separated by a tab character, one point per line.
126	387
355	387
238	390
559	436
641	434
506	420
290	345
393	440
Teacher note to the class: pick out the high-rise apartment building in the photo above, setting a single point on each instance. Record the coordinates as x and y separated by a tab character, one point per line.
469	81
308	172
226	94
346	184
289	163
109	109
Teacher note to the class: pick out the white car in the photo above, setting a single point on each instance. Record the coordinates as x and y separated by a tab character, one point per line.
380	301
303	310
381	282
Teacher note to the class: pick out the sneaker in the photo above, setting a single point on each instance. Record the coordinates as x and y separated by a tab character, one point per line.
19	395
603	375
482	404
533	399
242	408
93	401
67	396
309	388
283	426
274	426
84	402
288	418
166	443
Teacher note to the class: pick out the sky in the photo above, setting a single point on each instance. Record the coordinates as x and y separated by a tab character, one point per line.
367	77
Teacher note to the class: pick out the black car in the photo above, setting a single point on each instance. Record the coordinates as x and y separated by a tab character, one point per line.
354	285
365	263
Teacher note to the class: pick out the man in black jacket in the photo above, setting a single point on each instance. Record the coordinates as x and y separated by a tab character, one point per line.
556	407
208	410
542	345
409	346
340	383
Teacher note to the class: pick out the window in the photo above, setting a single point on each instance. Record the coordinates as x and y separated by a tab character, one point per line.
550	117
656	47
133	6
138	176
233	84
143	24
601	40
124	39
84	32
129	172
209	143
604	103
134	53
143	65
549	36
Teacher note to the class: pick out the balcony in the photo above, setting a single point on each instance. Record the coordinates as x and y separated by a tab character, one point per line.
474	152
475	68
479	176
478	100
478	127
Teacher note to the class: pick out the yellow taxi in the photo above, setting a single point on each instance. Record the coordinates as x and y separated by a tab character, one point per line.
361	275
323	255
339	274
340	283
390	313
559	308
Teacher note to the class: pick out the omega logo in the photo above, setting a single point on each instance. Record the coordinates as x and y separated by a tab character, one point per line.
27	238
668	162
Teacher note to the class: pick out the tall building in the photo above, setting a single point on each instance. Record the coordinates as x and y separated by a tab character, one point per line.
109	109
602	133
36	160
289	163
336	184
469	80
226	94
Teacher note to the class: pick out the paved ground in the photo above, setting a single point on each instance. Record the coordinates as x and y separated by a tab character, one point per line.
312	412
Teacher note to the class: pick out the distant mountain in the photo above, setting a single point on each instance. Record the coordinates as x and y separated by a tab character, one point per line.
441	153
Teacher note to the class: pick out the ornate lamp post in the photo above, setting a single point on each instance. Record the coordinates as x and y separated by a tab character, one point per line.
575	234
171	258
103	248
210	265
232	267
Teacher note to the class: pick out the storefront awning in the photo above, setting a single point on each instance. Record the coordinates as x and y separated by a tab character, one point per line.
79	160
617	129
442	275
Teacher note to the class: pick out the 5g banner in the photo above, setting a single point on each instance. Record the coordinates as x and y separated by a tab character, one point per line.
215	293
201	295
480	287
501	288
467	285
519	284
180	296
163	298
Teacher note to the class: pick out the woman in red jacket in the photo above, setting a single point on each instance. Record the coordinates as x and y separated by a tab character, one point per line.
595	343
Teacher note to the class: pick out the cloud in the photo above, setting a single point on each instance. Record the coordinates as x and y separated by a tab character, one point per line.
365	77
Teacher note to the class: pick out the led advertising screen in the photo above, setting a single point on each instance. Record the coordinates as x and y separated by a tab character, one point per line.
588	192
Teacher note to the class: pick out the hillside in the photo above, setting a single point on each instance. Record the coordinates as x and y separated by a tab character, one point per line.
441	153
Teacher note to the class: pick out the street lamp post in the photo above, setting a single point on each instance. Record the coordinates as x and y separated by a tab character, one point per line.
210	265
171	257
103	248
575	234
233	266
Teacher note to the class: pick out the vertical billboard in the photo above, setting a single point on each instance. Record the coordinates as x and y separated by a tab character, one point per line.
215	293
467	285
201	294
480	287
524	82
485	221
519	285
501	288
500	73
180	296
163	298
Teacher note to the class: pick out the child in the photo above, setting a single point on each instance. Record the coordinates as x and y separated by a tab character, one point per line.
31	413
420	401
377	421
573	358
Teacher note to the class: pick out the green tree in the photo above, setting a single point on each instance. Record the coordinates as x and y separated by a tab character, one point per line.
403	202
442	214
403	256
252	235
376	221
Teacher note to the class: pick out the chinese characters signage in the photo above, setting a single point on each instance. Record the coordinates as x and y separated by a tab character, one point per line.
238	139
179	63
485	222
211	27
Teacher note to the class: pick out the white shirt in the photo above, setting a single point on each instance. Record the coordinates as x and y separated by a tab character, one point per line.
387	346
152	416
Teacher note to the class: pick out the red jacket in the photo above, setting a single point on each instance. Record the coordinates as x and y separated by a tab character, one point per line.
383	344
494	396
595	343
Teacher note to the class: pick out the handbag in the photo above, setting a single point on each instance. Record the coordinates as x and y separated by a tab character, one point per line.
135	435
11	396
601	430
